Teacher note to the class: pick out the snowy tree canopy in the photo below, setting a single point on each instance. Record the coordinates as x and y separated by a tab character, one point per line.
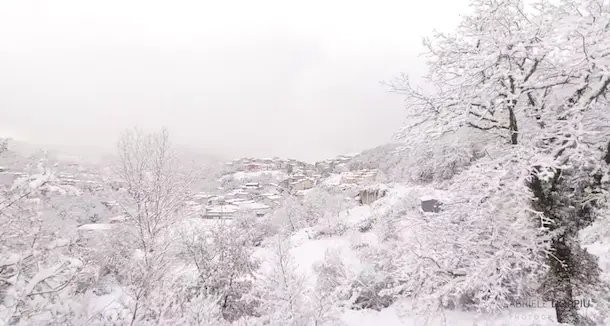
532	80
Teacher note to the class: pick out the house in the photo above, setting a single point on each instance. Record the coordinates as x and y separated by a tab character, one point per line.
259	209
216	200
292	185
202	197
303	184
237	201
239	193
220	211
253	167
68	181
252	185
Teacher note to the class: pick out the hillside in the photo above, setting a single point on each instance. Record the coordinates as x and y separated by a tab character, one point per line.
335	236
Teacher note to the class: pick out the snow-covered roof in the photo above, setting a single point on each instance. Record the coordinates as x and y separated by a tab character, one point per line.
253	206
236	200
247	175
237	192
333	180
303	192
96	226
222	209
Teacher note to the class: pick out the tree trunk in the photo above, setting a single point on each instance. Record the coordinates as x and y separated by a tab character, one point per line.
512	126
562	268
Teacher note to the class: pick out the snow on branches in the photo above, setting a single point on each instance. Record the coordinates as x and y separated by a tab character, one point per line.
37	266
534	81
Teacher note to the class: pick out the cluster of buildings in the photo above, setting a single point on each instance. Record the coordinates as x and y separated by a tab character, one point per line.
85	181
293	176
333	165
288	166
278	178
257	186
358	177
252	198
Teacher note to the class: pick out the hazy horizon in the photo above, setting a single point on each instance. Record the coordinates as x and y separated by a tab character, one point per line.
233	79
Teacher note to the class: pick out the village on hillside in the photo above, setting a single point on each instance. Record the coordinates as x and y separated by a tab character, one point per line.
248	186
257	186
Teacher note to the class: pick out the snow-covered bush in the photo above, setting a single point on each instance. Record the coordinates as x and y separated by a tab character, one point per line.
346	288
320	208
256	228
222	255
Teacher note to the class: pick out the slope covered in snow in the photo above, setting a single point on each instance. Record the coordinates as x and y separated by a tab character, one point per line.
354	244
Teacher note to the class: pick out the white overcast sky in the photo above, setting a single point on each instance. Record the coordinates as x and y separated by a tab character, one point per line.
240	78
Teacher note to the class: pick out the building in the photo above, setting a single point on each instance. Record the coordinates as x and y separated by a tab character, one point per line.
259	209
292	185
220	211
301	184
252	185
202	197
238	194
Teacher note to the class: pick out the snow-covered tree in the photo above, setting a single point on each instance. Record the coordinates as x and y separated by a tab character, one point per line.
37	264
325	205
320	209
281	290
222	255
156	183
531	84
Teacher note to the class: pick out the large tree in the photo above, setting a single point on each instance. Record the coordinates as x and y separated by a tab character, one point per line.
155	185
531	85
